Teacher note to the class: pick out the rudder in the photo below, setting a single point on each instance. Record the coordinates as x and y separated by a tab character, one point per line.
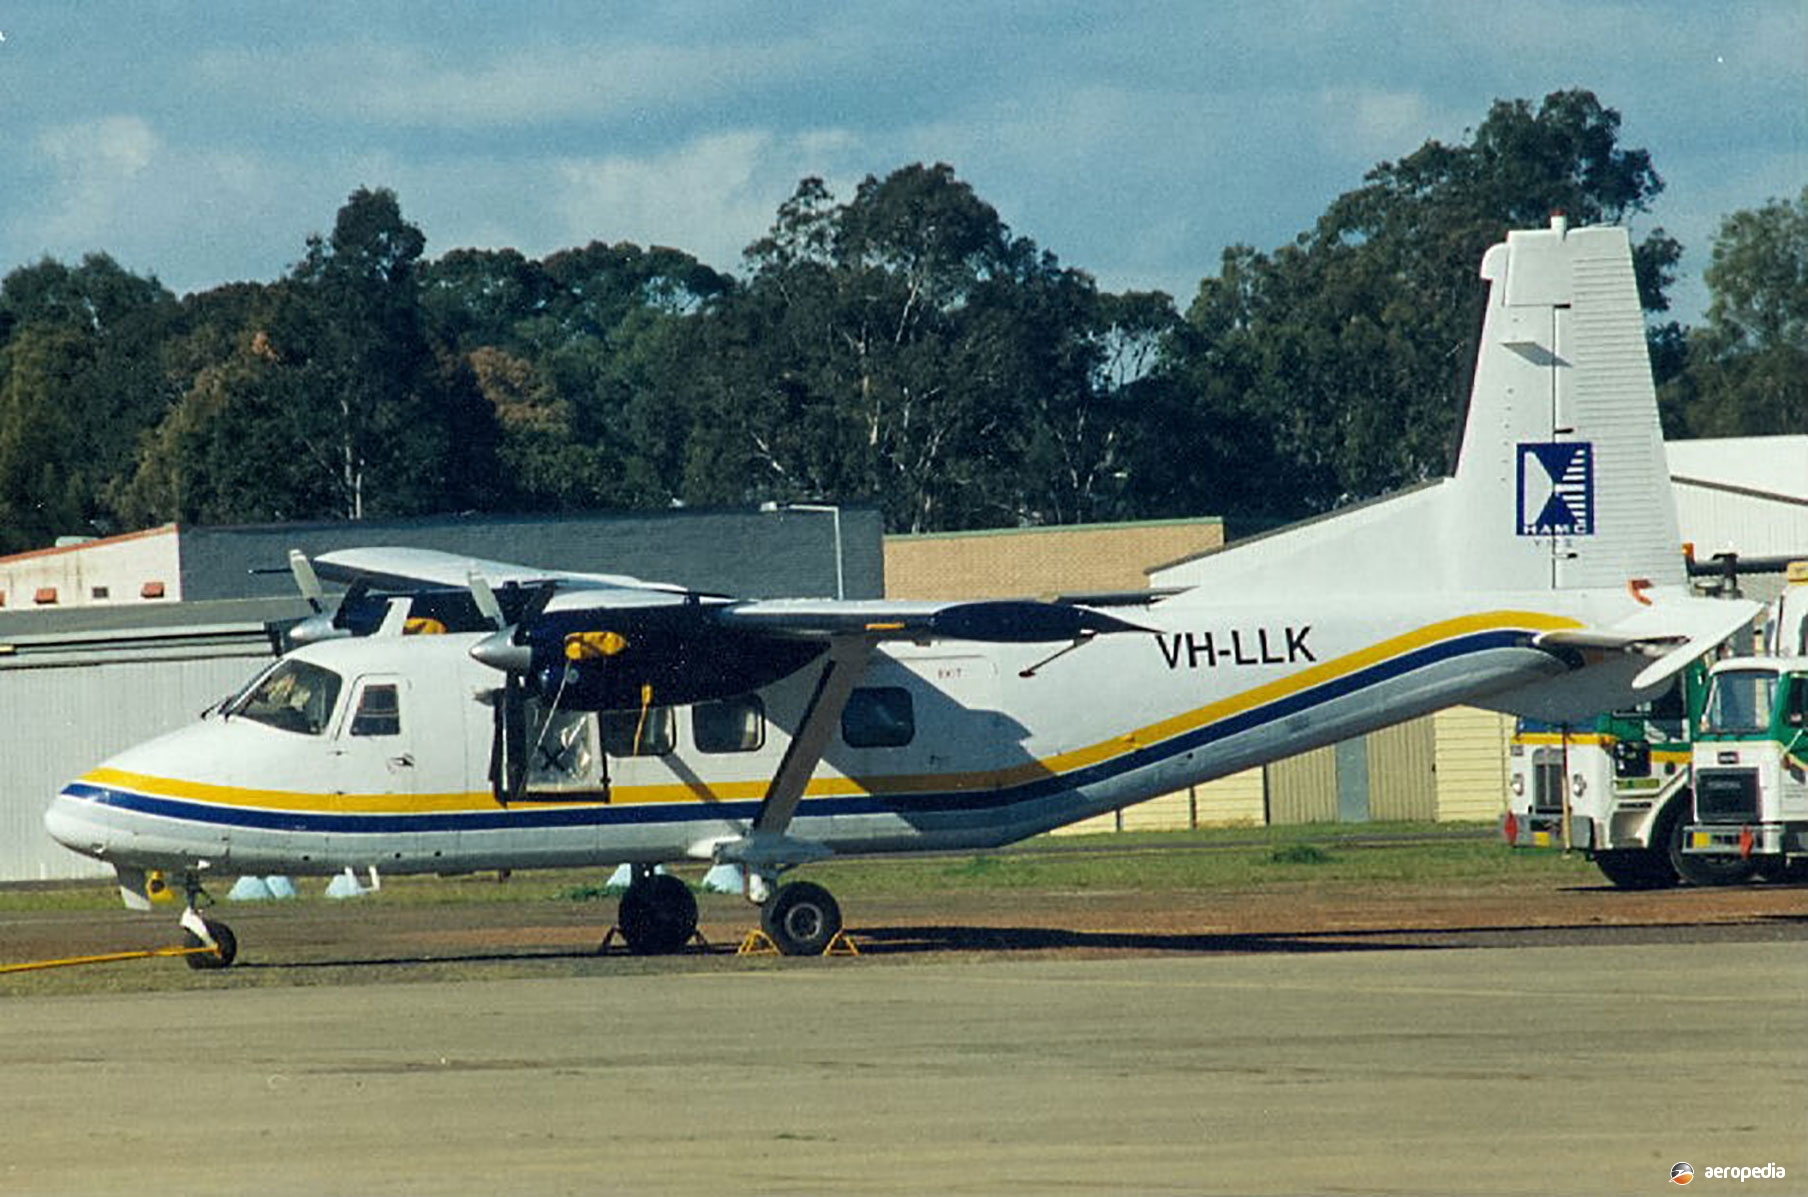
1562	480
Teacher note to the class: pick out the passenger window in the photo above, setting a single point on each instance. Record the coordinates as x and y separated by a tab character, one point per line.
637	733
379	712
731	725
878	717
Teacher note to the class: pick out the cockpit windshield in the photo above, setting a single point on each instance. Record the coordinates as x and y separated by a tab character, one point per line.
1740	702
295	696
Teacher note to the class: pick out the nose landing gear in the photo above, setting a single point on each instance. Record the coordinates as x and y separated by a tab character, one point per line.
199	932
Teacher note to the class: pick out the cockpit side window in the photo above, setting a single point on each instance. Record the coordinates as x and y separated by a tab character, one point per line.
379	711
296	696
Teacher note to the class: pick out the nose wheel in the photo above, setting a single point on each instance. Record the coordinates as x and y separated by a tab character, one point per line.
219	937
214	944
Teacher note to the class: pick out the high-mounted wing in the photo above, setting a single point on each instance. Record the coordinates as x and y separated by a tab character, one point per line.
612	642
408	569
1008	621
613	650
443	591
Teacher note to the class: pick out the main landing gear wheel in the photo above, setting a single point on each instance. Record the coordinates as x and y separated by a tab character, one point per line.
657	915
226	943
802	918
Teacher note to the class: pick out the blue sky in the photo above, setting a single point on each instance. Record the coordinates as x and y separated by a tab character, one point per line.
202	142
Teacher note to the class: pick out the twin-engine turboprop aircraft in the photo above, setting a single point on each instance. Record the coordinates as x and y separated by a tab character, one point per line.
563	720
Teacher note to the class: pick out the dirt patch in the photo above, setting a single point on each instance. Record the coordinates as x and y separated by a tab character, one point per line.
314	941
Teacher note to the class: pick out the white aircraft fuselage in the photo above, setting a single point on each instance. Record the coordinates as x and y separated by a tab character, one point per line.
991	756
1545	578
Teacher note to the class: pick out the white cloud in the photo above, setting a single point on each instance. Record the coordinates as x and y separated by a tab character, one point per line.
416	85
95	166
1365	125
710	196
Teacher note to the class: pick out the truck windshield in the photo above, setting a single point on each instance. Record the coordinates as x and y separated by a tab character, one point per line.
295	696
1740	702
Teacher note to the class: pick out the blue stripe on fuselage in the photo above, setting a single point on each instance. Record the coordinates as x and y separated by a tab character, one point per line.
905	804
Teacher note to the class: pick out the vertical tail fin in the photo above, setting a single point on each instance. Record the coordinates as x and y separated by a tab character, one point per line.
1562	480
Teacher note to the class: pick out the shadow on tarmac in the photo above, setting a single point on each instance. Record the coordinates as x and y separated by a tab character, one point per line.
934	939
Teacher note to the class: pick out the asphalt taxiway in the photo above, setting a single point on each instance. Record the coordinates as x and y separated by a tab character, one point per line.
1527	1070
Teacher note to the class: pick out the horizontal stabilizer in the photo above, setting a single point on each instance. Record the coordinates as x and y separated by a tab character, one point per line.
1673	633
1709	623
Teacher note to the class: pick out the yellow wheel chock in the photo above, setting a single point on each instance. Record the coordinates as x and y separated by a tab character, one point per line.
758	943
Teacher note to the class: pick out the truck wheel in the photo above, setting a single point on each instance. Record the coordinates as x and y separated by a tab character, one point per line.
1780	872
1704	870
1636	868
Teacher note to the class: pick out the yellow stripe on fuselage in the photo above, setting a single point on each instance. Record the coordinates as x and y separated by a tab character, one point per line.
1292	684
836	787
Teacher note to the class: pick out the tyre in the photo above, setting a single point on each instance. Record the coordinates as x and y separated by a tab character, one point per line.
1777	871
226	942
1636	868
657	915
802	918
1700	870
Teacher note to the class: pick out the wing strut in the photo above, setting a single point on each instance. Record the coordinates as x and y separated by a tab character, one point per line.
767	848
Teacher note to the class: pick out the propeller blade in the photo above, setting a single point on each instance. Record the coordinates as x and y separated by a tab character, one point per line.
533	609
353	595
306	580
485	598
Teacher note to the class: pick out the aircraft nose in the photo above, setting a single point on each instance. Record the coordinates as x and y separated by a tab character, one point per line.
77	823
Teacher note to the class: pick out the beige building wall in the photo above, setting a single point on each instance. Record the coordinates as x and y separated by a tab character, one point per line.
1234	801
1031	562
134	568
1303	788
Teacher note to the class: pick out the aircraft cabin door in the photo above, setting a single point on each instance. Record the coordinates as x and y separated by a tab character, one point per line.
373	757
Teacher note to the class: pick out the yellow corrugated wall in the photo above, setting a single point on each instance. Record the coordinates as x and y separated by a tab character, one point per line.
1231	801
1403	780
1241	798
1472	763
1303	788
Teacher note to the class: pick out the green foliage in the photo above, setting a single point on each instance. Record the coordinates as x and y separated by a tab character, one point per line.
80	371
906	348
1301	854
1339	363
1747	370
903	347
